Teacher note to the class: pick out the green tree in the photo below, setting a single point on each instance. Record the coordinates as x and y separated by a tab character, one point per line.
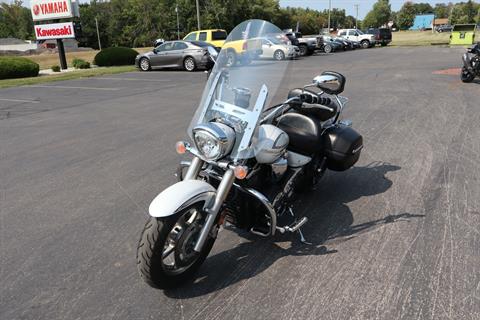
441	10
15	21
379	15
406	15
422	8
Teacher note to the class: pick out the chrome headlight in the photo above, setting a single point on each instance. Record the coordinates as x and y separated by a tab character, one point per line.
213	140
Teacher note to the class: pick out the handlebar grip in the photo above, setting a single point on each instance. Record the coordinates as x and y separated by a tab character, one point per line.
314	99
319	106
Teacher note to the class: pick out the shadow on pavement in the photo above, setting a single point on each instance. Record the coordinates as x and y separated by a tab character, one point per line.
330	222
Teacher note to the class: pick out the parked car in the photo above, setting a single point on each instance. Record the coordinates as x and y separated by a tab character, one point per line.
189	55
278	50
327	46
307	46
383	36
366	40
444	28
216	37
338	43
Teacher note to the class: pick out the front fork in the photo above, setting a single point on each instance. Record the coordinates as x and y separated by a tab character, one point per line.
214	207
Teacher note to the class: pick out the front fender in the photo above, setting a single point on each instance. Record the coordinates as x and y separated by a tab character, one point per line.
179	196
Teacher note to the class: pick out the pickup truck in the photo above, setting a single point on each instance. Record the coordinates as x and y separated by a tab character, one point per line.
307	46
215	37
366	40
383	36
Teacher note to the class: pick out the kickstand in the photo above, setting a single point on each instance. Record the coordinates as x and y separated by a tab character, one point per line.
302	237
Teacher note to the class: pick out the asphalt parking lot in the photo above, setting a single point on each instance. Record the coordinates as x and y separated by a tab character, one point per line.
395	237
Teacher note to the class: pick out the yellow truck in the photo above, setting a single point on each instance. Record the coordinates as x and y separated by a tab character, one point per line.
215	37
238	49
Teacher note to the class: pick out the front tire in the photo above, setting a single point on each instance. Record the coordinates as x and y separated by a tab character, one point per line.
231	58
365	44
165	256
189	64
303	50
327	48
145	64
466	76
279	55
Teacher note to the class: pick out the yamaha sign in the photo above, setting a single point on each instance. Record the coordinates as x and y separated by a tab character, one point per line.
51	9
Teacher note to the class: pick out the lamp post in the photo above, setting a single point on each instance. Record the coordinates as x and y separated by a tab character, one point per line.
198	15
356	17
98	35
178	23
329	8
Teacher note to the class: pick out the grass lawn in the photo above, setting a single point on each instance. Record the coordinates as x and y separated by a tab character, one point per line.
65	76
421	38
47	60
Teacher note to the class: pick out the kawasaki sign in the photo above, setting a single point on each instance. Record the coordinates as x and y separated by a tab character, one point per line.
51	9
54	31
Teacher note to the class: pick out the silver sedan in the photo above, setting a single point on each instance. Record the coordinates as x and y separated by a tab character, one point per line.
189	55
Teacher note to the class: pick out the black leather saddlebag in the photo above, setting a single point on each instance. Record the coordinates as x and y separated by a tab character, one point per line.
342	147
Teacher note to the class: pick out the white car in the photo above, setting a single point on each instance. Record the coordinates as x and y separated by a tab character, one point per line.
278	50
366	40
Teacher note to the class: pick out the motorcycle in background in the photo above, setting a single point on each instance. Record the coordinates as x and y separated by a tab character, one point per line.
471	64
253	150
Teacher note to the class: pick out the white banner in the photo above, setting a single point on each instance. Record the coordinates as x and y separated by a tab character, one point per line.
51	9
54	31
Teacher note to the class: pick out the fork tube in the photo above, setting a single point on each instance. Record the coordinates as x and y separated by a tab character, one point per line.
194	169
222	192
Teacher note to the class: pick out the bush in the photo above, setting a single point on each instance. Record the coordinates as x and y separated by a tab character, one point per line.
17	67
56	68
80	64
115	56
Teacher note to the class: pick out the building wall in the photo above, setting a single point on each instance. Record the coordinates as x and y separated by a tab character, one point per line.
19	47
423	21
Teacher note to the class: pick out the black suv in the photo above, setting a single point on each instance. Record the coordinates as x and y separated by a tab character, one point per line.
383	36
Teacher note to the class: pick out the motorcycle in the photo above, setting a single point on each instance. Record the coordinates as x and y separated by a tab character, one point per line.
471	64
253	152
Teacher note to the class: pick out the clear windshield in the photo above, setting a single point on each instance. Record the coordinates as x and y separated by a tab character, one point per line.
241	85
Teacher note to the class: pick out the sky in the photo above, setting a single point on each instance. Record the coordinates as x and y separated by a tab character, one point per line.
364	5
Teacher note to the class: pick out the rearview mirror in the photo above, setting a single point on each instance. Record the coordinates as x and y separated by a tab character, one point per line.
154	50
212	52
330	82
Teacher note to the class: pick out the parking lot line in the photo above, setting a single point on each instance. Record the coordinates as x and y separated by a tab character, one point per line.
19	100
83	88
135	79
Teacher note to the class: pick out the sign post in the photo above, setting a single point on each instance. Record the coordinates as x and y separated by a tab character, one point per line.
54	10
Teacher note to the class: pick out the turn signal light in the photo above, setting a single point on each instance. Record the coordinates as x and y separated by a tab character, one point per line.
180	147
240	172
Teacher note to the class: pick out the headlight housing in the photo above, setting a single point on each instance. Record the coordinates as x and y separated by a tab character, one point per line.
213	140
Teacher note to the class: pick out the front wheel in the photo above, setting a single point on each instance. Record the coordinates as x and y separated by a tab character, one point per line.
279	55
189	64
165	255
145	64
365	44
466	76
327	48
303	50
